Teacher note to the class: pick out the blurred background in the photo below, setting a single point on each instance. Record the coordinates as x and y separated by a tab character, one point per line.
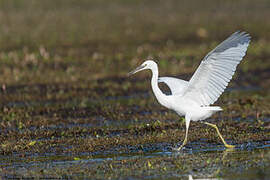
106	39
65	97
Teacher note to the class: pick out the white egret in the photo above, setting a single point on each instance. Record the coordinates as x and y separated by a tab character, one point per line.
193	98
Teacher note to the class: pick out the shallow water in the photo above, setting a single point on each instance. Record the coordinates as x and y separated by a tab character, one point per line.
217	156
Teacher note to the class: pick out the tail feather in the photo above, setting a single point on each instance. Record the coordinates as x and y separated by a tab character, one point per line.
213	108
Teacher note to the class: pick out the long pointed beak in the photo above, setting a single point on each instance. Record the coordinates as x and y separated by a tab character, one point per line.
139	68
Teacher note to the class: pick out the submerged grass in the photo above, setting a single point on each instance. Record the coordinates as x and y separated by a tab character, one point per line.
67	104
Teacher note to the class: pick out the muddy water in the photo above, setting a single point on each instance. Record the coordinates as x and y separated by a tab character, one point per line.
246	161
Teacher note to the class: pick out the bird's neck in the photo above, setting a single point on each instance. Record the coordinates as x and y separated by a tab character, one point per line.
161	97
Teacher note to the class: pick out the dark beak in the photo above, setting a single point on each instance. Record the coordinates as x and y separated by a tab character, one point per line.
139	68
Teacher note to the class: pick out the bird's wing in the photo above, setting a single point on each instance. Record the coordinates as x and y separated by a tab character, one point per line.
177	86
217	69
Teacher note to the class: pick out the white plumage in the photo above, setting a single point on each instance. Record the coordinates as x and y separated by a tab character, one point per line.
216	70
193	98
177	86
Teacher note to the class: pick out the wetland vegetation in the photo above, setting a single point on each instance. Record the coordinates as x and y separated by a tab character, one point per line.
69	110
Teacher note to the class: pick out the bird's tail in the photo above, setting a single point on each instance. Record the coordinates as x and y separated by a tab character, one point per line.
213	108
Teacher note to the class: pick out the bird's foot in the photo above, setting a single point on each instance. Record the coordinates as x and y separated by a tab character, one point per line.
229	146
177	149
182	145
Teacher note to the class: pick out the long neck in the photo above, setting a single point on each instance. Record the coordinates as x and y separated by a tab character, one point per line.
154	82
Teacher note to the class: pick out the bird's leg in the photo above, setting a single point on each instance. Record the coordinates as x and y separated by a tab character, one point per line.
185	140
224	142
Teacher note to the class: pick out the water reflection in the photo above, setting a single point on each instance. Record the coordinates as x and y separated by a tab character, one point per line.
191	178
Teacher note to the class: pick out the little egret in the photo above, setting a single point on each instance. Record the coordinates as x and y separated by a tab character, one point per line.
193	98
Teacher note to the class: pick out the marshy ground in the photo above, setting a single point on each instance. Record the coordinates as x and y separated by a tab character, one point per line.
69	110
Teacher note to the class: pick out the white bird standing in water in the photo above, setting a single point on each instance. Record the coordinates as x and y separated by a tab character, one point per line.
193	98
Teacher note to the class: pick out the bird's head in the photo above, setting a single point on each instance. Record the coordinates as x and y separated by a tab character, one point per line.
148	64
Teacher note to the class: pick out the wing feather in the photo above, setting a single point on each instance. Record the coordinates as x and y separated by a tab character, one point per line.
177	86
216	70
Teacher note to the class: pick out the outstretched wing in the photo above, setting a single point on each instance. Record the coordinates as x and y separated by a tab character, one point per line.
177	86
217	69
